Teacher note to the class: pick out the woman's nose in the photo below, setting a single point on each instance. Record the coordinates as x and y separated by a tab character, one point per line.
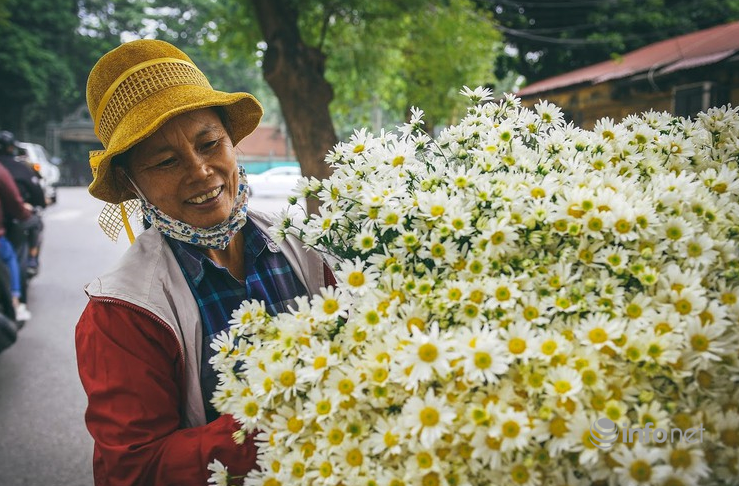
198	166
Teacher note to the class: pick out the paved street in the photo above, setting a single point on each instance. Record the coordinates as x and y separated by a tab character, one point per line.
43	440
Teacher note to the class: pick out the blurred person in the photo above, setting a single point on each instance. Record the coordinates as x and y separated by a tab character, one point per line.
12	207
29	185
143	341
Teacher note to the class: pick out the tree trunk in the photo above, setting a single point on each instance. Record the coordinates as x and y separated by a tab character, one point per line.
295	72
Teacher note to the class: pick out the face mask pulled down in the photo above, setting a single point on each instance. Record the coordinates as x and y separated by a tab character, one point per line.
216	237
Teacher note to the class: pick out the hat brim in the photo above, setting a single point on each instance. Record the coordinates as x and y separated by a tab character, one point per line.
243	111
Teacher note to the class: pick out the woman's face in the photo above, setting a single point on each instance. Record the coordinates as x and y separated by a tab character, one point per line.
188	168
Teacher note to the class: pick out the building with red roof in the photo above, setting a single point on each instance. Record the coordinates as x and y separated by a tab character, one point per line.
682	75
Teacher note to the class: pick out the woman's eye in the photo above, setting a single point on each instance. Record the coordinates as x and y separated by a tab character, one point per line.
166	162
211	144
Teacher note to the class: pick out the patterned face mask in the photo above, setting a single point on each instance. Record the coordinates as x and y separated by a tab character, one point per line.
216	237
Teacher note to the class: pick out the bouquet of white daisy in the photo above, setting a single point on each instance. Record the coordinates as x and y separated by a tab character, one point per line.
520	302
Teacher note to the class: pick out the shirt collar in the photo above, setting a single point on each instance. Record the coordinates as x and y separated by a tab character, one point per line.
193	261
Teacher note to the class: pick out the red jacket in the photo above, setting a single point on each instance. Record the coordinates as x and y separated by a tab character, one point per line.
133	412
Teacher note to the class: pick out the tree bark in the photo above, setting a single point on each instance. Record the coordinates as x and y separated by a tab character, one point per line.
295	72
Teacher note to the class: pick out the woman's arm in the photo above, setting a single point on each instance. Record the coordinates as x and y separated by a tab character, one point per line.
132	371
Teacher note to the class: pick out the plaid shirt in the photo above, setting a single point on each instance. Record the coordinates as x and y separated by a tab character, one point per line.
269	277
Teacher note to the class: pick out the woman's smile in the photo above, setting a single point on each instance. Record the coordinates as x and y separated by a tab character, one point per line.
207	197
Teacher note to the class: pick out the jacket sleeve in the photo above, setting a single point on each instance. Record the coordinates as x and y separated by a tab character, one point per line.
132	371
12	202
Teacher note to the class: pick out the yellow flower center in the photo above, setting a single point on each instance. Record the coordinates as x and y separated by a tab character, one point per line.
438	250
538	193
516	345
380	375
354	458
622	226
695	250
492	443
294	425
558	427
251	409
346	386
674	233
323	407
575	211
502	294
634	311
595	224
425	460
483	360
390	439
416	322
298	470
680	459
683	306
454	294
728	298
640	470
511	429
330	306
562	386
471	310
320	362
730	437
355	279
335	436
497	238
428	352
429	417
589	377
699	342
598	335
287	378
519	474
530	313
549	347
325	469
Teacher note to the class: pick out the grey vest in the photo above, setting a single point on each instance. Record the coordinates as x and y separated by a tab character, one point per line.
148	276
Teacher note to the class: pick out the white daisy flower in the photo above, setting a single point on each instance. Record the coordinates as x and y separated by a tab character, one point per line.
357	277
428	354
639	466
428	418
512	428
563	382
484	356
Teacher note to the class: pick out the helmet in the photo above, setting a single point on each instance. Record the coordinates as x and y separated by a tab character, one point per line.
7	139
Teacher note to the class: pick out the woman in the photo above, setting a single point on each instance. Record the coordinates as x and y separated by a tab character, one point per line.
143	339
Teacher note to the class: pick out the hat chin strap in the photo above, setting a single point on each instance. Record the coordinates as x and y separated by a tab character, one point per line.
136	188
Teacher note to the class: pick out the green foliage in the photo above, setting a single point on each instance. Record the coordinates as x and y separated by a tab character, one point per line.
557	37
35	78
385	56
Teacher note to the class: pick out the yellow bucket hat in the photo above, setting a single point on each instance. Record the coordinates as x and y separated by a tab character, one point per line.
134	89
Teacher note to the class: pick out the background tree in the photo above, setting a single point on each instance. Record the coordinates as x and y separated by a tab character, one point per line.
382	53
37	76
547	38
